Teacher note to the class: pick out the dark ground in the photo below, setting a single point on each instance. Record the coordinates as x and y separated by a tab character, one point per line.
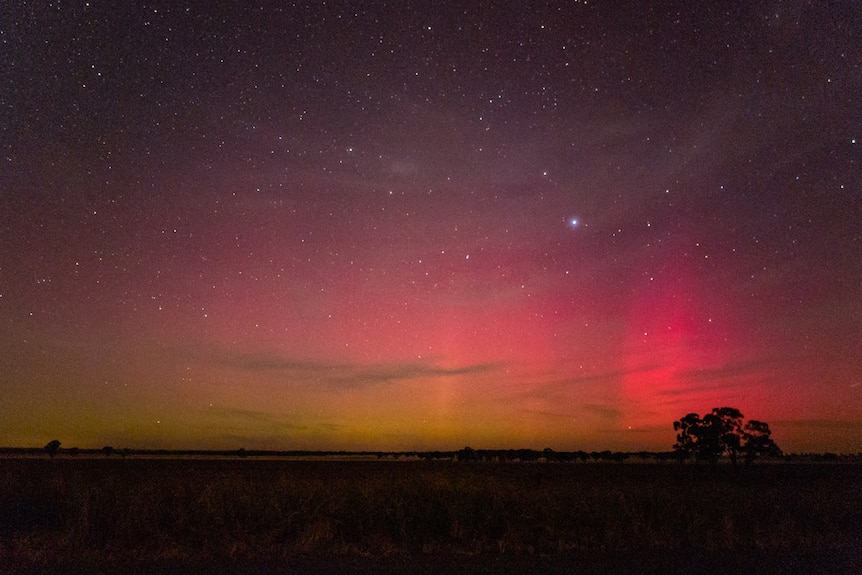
129	517
847	561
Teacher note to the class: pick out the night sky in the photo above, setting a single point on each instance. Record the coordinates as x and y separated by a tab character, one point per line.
425	225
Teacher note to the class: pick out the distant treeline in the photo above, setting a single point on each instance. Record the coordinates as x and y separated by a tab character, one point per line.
467	454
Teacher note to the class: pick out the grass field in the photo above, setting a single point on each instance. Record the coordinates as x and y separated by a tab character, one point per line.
182	515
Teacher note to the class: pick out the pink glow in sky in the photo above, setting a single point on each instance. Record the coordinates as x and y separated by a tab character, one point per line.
281	228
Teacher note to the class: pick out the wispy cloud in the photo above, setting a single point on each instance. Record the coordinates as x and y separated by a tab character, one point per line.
254	417
730	371
794	435
332	426
340	375
575	382
602	410
820	424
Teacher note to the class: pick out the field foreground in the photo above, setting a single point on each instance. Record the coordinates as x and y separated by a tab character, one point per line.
252	516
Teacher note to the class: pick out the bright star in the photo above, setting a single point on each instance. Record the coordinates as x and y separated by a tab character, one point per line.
574	222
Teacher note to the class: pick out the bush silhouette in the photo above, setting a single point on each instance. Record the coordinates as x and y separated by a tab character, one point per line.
52	448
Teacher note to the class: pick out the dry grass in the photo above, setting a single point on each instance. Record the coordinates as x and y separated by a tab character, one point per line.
184	511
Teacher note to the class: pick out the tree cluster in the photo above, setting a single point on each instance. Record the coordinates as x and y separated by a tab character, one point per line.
723	432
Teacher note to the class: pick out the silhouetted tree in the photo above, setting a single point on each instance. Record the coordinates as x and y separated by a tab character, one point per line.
709	447
703	438
466	454
728	423
52	448
687	435
108	450
721	432
758	441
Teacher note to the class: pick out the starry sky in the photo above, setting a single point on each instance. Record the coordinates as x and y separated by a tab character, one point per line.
409	225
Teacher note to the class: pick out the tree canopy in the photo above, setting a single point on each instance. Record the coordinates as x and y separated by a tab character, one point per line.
722	432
